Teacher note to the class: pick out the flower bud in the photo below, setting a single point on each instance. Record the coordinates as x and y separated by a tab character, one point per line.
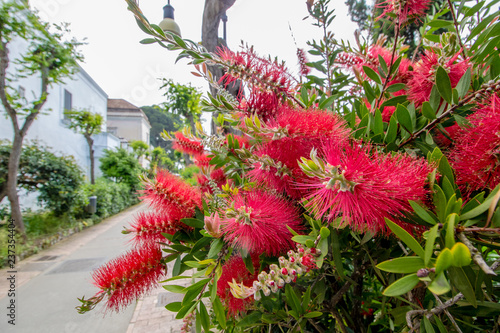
213	225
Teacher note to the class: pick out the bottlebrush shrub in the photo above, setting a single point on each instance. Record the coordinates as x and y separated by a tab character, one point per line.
350	203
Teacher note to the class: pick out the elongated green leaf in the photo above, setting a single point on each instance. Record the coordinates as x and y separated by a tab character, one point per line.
292	299
185	310
205	319
429	244
404	118
443	84
406	238
175	289
426	324
301	239
428	111
372	74
220	313
194	290
174	306
193	223
250	319
326	103
394	101
422	212
402	286
313	314
439	285
215	248
392	130
464	83
450	230
481	208
460	280
402	265
337	256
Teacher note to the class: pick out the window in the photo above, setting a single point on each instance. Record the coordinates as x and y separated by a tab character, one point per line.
68	101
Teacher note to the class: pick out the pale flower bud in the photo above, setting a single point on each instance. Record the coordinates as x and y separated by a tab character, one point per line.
213	225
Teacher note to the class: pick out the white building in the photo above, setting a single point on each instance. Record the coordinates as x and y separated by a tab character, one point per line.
50	128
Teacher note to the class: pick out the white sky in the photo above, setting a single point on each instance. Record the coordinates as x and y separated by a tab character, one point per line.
126	69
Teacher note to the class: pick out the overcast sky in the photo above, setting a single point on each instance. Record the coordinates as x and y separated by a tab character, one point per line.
126	69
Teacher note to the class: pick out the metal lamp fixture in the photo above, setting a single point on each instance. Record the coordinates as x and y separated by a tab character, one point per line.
168	23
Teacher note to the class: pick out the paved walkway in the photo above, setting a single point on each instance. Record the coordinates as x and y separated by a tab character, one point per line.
49	283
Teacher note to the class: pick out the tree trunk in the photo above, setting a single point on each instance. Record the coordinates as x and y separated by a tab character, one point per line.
210	40
90	142
14	158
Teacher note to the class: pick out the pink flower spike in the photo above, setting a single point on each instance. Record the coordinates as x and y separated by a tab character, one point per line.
257	223
128	277
405	10
172	196
149	226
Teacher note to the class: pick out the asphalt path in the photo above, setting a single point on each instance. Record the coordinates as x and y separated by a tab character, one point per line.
48	284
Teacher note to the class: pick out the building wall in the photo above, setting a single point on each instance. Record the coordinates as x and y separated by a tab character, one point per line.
50	128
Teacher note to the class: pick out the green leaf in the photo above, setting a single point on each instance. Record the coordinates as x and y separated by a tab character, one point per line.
250	319
402	265
460	280
205	319
324	232
372	74
481	208
439	23
220	313
402	286
395	87
461	255
301	239
426	325
177	267
450	230
443	84
292	299
422	212
434	98
404	118
174	306
185	310
378	123
148	41
444	260
313	314
194	223
326	103
394	101
337	256
392	130
429	244
464	83
428	111
406	238
439	285
215	248
174	288
194	290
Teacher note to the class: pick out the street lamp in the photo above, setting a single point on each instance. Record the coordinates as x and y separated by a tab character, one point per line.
168	23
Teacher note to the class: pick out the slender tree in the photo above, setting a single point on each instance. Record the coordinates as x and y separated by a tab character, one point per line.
48	58
87	124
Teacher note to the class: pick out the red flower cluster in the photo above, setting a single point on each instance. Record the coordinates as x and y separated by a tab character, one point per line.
149	226
424	72
129	276
257	223
405	10
475	156
187	146
364	188
172	196
235	269
304	69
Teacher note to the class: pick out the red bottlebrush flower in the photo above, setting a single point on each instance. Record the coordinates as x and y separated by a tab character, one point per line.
235	269
424	72
263	104
348	60
287	152
365	188
451	135
187	146
475	156
172	196
257	223
202	161
405	10
129	276
258	72
149	226
217	176
304	69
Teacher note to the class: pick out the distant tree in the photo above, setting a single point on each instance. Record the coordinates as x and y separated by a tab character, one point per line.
49	58
160	159
87	124
183	100
161	120
140	148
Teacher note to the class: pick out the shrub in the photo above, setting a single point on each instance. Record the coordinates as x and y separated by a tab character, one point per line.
56	178
122	167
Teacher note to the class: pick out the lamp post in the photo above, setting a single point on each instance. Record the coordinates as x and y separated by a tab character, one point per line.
224	20
168	23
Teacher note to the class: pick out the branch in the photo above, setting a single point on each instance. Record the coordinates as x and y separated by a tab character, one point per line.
455	22
388	77
476	256
4	63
